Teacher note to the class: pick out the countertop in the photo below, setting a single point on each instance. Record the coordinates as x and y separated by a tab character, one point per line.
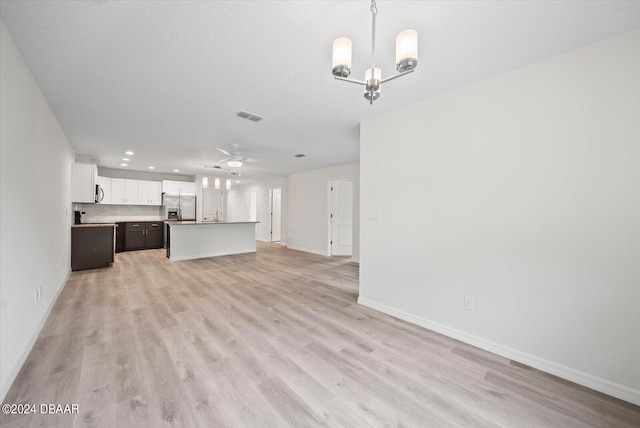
95	225
188	222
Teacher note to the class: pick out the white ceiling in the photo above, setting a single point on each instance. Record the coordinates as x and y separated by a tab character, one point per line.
165	78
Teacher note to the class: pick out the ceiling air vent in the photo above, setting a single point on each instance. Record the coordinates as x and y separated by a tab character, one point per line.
299	155
246	115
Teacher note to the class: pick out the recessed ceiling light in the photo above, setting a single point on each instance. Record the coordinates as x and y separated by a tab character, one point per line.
123	164
126	159
176	170
129	152
152	167
237	181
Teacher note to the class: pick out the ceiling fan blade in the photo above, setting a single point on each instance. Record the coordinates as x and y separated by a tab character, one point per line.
223	151
223	160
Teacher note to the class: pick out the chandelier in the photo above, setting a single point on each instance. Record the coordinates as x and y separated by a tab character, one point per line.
406	59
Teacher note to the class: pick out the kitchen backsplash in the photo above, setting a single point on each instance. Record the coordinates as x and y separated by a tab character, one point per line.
96	213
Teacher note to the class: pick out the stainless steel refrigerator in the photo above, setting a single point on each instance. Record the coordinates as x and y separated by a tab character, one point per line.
179	206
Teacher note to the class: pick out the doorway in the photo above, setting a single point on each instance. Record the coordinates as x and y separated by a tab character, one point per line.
341	216
276	214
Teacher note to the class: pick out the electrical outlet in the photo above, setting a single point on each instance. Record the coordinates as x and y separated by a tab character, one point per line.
40	292
468	303
35	300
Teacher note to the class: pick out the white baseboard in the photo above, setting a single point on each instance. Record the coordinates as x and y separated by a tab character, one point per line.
214	254
307	250
13	373
585	379
355	259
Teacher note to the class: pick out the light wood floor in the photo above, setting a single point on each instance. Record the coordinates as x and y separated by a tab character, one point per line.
271	339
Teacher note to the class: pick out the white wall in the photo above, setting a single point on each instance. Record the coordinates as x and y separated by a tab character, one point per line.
308	208
238	206
522	191
35	204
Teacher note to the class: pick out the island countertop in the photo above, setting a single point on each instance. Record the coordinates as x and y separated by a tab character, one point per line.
191	222
95	225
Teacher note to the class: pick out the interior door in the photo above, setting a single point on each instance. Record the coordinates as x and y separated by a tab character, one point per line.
276	214
341	217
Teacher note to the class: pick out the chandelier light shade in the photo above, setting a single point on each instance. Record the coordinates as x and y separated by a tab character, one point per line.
216	183
406	59
342	57
406	50
228	184
205	182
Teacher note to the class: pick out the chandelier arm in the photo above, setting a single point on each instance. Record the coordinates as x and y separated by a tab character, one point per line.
396	76
359	82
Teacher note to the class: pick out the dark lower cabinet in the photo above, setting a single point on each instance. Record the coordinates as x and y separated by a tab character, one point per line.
154	235
92	247
121	233
143	235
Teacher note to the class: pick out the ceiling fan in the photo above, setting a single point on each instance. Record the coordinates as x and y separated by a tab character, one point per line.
234	159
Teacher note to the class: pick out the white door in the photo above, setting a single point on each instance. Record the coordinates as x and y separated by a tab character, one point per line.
276	214
341	217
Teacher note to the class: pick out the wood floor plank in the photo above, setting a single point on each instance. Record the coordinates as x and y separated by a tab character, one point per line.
274	338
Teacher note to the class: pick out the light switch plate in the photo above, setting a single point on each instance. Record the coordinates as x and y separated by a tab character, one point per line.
468	303
374	216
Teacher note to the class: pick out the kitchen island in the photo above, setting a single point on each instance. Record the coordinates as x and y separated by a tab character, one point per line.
198	239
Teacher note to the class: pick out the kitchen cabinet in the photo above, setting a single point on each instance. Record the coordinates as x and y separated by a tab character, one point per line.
143	235
121	233
92	246
105	185
124	191
178	186
83	182
149	192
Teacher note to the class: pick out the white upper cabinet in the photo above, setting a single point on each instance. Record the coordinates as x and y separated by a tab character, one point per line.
104	196
83	183
124	191
149	192
178	186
